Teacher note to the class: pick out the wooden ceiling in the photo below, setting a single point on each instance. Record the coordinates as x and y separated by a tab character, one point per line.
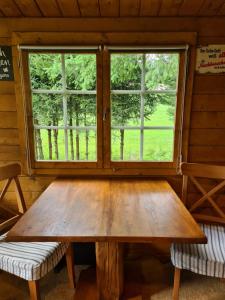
111	8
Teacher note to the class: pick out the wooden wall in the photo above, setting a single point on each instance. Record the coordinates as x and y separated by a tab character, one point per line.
207	142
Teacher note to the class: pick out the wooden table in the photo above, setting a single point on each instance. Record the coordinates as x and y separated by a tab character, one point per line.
109	212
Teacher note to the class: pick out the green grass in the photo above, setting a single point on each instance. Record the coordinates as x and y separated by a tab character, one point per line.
158	144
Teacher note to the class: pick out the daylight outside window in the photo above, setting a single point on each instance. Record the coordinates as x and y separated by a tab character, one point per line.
63	88
143	106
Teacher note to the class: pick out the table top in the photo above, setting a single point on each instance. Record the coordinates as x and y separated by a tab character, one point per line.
121	210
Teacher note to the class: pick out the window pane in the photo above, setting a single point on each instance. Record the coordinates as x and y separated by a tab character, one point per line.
126	71
81	110
158	145
50	144
125	110
159	110
45	71
143	108
82	145
125	145
161	71
81	71
47	109
64	106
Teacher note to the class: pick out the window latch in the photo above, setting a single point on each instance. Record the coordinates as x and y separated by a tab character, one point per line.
104	115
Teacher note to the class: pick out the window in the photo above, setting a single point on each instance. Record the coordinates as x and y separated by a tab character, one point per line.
143	106
63	90
109	110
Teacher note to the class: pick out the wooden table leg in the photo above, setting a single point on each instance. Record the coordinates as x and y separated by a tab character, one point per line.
109	267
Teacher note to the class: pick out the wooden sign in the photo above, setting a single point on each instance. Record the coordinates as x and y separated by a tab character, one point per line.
211	59
6	67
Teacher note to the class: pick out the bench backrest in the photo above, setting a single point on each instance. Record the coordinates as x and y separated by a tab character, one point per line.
194	171
10	173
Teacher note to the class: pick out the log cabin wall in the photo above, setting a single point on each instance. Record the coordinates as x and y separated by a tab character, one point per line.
207	142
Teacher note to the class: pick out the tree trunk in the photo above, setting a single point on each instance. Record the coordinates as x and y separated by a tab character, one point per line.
55	135
50	142
86	141
39	143
86	137
121	143
71	137
77	135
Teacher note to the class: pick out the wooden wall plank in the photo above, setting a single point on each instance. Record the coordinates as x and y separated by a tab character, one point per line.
150	8
207	137
89	8
209	84
210	7
208	120
207	154
49	8
110	8
170	7
129	8
190	7
204	26
9	152
10	9
7	103
8	120
206	40
113	38
208	103
7	87
29	8
222	10
69	8
9	136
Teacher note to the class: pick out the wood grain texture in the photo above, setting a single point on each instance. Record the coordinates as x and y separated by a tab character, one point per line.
109	8
190	7
89	8
208	102
150	7
208	119
69	8
129	8
7	103
28	8
207	137
108	210
209	84
49	8
170	7
109	269
10	9
210	7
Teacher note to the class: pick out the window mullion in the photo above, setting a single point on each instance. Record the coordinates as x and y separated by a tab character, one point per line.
142	105
64	105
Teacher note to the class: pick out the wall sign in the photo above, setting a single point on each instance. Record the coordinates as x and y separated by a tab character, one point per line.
6	67
211	59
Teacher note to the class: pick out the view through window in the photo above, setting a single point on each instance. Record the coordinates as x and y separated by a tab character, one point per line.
143	104
64	106
143	97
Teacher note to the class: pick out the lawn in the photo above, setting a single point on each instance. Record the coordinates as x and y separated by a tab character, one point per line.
158	144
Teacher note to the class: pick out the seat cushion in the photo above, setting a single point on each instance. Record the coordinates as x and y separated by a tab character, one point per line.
30	261
207	259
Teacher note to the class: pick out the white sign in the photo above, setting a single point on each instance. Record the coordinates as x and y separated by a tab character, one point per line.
211	59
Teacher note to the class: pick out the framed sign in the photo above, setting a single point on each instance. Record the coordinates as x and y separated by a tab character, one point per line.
6	66
211	59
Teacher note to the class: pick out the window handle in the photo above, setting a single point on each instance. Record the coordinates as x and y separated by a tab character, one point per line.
104	115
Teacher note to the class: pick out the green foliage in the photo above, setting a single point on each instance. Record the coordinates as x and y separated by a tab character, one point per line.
161	72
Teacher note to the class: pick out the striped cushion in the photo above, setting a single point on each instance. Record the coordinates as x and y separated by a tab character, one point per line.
30	261
207	259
